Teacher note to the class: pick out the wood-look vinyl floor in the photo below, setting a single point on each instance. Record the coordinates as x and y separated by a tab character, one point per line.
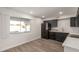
39	45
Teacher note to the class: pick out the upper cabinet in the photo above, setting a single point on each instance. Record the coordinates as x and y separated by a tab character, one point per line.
53	23
77	21
74	21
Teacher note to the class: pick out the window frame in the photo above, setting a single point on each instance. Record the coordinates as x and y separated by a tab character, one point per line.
20	26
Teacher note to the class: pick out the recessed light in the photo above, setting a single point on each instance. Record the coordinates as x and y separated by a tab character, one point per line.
60	12
31	12
43	16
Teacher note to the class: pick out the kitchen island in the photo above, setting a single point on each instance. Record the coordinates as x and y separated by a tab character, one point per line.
71	44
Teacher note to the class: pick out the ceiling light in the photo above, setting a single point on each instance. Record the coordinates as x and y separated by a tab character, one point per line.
43	16
60	12
31	12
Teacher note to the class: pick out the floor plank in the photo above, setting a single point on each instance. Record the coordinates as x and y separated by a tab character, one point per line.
39	45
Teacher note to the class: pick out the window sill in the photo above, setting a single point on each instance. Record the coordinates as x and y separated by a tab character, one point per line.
19	32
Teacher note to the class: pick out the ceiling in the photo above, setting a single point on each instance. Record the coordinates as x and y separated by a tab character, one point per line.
48	12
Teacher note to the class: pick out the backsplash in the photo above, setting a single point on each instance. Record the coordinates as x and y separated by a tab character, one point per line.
64	25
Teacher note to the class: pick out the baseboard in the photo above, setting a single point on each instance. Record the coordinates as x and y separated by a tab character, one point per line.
19	44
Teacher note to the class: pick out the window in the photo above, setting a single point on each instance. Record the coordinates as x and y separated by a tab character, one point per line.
19	25
25	27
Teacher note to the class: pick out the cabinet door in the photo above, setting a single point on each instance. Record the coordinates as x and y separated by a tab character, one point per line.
73	22
44	32
61	36
53	23
77	21
52	35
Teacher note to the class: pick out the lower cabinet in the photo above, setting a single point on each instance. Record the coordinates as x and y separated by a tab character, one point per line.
52	35
58	36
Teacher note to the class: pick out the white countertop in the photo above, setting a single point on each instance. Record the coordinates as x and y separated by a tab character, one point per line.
71	42
58	31
75	33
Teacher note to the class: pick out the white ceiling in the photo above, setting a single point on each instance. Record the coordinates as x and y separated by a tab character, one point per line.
48	12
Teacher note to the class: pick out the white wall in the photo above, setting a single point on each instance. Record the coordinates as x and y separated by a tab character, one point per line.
16	39
65	24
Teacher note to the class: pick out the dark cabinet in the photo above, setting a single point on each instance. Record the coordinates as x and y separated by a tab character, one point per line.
77	21
52	35
58	36
74	21
61	36
53	23
45	27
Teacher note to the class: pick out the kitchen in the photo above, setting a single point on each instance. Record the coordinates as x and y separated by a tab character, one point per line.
65	30
39	29
46	29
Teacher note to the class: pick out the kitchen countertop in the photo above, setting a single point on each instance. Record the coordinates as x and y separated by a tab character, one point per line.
75	33
72	42
59	31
